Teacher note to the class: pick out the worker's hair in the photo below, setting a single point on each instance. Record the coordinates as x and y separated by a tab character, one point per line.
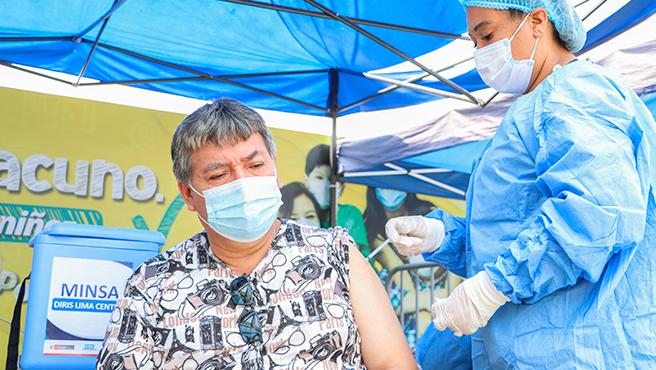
223	122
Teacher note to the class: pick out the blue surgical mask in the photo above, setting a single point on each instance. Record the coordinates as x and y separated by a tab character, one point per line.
243	210
391	199
321	191
305	221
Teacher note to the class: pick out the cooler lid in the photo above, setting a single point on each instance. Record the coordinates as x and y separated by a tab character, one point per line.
102	232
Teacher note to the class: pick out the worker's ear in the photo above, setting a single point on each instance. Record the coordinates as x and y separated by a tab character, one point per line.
186	193
538	20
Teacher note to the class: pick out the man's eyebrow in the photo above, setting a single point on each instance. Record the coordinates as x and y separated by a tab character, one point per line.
214	166
254	154
480	25
218	165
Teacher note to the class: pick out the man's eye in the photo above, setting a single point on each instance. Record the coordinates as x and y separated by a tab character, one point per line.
487	37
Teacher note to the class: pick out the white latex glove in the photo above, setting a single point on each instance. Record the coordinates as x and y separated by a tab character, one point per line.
414	235
469	306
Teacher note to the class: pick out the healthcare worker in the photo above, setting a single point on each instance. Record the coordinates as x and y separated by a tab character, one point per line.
559	242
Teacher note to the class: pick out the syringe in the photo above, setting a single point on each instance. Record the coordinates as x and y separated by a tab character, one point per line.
372	254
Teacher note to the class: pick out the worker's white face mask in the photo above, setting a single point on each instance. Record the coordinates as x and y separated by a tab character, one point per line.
500	71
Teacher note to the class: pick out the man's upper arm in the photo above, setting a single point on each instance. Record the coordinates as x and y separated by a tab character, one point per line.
377	323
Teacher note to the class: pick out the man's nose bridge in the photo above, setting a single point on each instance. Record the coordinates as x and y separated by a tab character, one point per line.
239	172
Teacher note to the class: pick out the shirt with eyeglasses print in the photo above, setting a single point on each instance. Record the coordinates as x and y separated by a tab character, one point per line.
178	312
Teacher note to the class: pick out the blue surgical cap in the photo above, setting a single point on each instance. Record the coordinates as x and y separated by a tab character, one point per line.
561	13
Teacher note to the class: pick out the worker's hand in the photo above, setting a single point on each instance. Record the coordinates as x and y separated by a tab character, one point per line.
469	306
414	235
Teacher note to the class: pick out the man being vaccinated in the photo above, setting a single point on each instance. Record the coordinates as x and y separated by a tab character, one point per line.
251	291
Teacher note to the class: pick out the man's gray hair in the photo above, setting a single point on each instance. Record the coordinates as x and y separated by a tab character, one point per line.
224	121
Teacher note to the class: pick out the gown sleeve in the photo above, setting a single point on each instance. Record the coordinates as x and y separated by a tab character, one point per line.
590	170
451	253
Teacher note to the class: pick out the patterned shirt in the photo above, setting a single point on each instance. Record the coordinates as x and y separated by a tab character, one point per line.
178	313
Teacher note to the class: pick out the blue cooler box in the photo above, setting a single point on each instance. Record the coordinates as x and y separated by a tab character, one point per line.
78	273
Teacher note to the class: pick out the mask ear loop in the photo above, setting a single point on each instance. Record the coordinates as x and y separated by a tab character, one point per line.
517	30
534	48
196	191
201	217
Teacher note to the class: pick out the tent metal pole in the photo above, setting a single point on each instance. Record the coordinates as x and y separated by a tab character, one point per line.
393	49
311	13
138	82
333	177
394	87
7	64
333	109
195	78
220	79
93	48
426	179
431	170
593	10
104	18
269	93
374	173
268	74
394	172
581	3
41	38
490	99
421	88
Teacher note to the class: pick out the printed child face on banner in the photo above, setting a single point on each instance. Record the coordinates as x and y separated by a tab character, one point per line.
304	211
318	182
299	205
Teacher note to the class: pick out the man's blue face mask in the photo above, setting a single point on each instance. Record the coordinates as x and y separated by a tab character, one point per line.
242	210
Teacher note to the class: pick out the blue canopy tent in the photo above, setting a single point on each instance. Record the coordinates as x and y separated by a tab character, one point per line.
288	55
302	56
436	158
293	56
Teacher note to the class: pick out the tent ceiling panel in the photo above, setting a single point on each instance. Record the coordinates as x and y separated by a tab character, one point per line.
219	38
163	44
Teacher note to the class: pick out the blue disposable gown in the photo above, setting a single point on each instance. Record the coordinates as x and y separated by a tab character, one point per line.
561	214
442	350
